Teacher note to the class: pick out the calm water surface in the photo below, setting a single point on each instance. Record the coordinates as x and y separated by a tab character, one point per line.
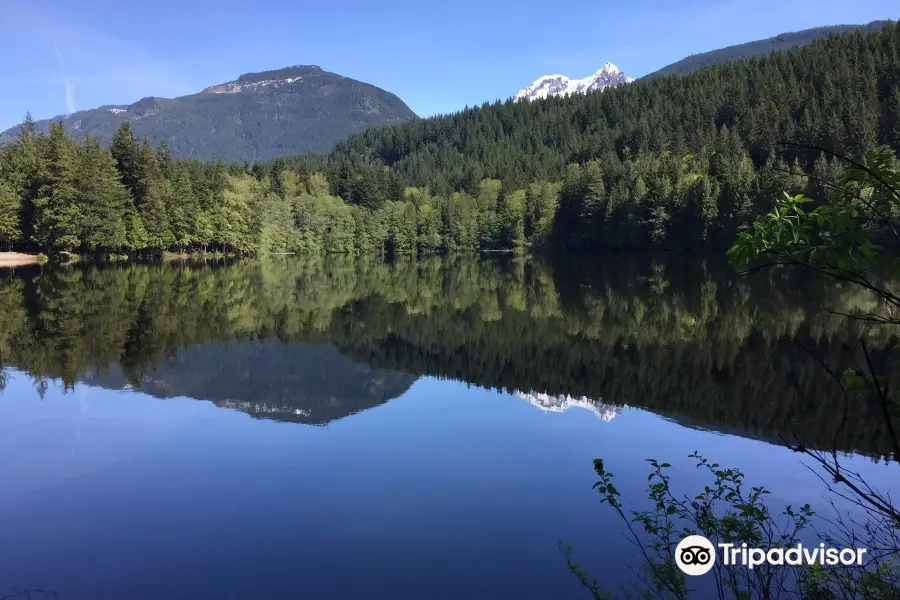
334	429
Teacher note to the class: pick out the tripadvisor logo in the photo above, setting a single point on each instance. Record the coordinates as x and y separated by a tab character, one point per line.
696	555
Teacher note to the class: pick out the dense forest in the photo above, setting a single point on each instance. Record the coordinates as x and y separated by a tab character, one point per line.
686	338
672	162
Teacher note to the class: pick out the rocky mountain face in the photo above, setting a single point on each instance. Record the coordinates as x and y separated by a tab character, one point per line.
302	383
257	116
560	85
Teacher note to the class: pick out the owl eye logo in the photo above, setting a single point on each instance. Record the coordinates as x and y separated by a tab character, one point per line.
695	555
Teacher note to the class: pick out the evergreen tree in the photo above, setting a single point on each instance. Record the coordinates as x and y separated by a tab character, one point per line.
892	121
593	206
126	152
104	198
27	127
155	198
25	171
164	157
58	214
276	175
10	215
181	208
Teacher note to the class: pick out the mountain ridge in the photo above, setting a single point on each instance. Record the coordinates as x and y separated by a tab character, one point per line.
778	43
257	116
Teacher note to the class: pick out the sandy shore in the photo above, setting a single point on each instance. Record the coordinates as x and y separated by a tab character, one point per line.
17	259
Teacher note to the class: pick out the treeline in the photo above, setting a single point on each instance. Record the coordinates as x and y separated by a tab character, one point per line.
672	162
61	194
685	338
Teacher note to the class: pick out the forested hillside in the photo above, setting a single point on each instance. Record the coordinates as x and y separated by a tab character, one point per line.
779	43
673	162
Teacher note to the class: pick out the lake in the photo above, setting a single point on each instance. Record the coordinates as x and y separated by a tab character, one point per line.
330	428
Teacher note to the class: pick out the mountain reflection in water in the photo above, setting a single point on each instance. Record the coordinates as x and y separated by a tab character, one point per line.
314	340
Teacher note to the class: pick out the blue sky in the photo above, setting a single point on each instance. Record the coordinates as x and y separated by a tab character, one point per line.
60	55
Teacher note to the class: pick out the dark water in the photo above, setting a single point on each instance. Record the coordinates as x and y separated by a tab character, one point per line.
333	429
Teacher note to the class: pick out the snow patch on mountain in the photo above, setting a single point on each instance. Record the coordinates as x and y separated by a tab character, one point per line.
560	85
233	87
263	408
563	402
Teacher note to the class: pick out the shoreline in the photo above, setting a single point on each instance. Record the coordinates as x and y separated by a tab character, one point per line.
17	259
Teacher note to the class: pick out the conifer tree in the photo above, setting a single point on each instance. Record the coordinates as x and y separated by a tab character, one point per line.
593	207
892	128
10	215
182	207
126	152
58	214
27	127
104	198
154	193
25	172
276	174
164	157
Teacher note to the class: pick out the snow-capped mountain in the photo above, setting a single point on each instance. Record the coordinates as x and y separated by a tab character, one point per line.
561	403
559	85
